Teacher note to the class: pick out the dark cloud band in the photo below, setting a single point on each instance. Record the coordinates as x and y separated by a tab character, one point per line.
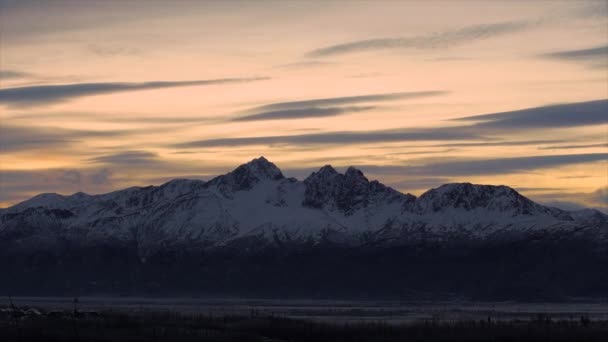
489	125
563	115
327	106
504	165
303	113
596	57
345	100
127	158
600	52
432	41
44	94
333	138
466	167
20	138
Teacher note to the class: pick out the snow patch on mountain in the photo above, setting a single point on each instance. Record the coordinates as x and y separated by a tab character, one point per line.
256	201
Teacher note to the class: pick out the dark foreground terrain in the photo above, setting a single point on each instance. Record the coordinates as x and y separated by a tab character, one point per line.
255	233
22	324
526	270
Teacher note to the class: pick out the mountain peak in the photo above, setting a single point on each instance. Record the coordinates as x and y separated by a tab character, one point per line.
259	160
246	176
327	169
346	192
467	196
262	168
353	172
325	174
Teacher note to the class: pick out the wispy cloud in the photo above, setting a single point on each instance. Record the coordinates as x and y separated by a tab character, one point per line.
591	53
333	138
467	167
444	39
601	196
142	165
333	101
305	65
303	113
570	147
505	165
597	199
419	183
19	185
18	138
327	106
127	158
366	75
593	57
563	115
12	74
485	127
126	118
450	59
113	50
45	94
577	177
413	153
501	143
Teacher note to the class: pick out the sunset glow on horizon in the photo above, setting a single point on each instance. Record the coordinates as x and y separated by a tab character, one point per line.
102	95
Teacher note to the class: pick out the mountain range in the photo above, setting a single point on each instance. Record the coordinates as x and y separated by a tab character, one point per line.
253	225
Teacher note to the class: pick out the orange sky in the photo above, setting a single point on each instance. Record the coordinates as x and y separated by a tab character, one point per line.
94	96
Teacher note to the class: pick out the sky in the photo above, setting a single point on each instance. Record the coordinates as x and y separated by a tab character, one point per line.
97	96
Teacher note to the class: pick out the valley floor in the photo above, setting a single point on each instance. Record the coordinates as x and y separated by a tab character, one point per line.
149	326
147	319
327	311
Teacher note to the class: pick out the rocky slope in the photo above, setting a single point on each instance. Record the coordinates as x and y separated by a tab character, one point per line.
256	200
254	229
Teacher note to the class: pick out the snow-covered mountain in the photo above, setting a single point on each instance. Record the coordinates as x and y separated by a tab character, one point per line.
255	201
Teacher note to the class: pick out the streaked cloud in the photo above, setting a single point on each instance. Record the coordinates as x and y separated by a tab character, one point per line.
127	158
16	138
70	176
18	185
570	147
438	40
601	196
564	205
46	94
121	118
593	57
366	75
591	9
102	176
419	183
582	54
139	165
597	199
562	115
577	177
500	143
450	59
326	107
470	167
333	101
305	65
12	74
495	58
333	138
488	125
113	50
303	113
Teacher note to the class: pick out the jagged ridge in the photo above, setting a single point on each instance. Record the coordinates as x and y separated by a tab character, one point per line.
256	200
